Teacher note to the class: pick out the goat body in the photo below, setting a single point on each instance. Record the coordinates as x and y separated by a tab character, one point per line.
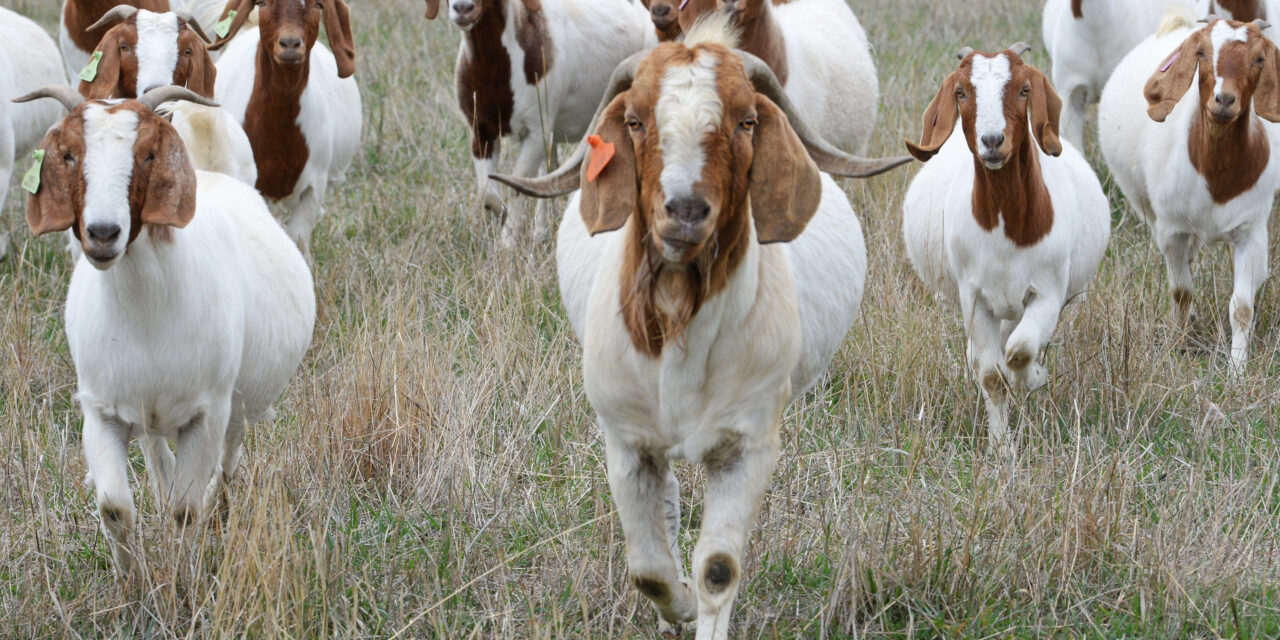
28	59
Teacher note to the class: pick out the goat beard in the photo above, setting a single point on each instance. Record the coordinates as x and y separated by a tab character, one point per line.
661	298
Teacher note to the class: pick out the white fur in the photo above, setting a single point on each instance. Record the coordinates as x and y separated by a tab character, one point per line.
330	119
688	108
989	76
157	50
1085	51
214	140
1010	297
749	351
588	39
28	60
189	342
1150	163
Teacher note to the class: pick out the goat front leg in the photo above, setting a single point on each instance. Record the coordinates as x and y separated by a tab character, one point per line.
304	217
738	473
1073	116
106	453
986	359
216	498
159	460
640	482
199	450
1249	255
1179	249
530	162
1028	339
484	154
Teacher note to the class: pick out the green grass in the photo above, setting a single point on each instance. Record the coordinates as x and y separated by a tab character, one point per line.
435	470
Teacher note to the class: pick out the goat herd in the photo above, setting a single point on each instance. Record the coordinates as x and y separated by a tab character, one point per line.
709	263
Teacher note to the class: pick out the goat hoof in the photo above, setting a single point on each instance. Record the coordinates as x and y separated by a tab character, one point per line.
669	629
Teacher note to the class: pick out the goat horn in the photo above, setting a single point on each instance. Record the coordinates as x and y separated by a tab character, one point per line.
118	12
161	95
193	24
964	52
827	157
70	98
565	179
1020	48
1207	19
1261	24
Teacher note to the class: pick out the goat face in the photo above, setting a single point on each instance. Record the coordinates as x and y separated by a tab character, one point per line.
289	29
695	143
150	50
1237	66
110	167
992	94
466	13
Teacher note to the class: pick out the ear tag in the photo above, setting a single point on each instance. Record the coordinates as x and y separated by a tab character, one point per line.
90	71
1171	59
31	180
682	5
224	25
601	154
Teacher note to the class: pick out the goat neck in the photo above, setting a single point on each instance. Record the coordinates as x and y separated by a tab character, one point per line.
1015	193
271	122
1231	156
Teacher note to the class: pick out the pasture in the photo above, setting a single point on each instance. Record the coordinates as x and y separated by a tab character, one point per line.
434	470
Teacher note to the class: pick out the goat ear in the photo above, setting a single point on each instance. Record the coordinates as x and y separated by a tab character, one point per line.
243	9
433	9
204	75
105	83
51	207
1266	99
1046	109
611	198
939	121
784	182
533	5
1171	80
337	23
170	191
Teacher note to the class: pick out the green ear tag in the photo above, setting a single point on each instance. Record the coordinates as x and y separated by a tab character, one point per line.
31	181
90	71
224	25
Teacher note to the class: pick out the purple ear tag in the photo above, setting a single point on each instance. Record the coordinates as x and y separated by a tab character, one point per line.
682	5
1166	65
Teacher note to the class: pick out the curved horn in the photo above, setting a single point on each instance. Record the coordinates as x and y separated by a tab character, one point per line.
161	95
565	179
70	98
193	24
1207	19
119	12
964	52
827	157
1021	48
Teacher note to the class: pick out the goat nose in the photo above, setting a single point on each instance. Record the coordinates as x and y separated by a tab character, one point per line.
463	7
1224	99
103	232
661	10
690	209
993	140
291	42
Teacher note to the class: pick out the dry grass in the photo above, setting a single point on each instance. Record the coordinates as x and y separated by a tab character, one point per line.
435	471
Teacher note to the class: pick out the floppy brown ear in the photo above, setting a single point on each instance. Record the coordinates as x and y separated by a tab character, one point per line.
1046	109
1266	99
204	74
533	5
784	182
612	197
1171	79
105	84
51	208
337	23
170	193
939	121
433	9
242	8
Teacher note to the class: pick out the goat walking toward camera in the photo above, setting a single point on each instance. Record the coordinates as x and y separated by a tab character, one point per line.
1007	220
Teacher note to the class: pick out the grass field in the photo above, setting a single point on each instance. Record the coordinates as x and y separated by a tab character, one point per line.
435	470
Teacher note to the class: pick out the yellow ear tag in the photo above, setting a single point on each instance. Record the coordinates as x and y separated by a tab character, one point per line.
601	154
90	71
31	180
224	25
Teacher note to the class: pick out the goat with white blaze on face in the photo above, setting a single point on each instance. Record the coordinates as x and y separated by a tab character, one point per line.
1005	219
710	270
1186	126
188	311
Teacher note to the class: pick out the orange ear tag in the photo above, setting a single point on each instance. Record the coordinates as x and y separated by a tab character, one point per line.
601	154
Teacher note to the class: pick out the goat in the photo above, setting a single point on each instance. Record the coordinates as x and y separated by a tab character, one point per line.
297	102
819	51
710	271
79	32
1012	226
533	70
1200	166
1086	40
188	311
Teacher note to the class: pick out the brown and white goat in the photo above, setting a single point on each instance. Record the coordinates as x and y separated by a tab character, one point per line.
710	271
297	101
1007	220
145	50
79	32
1195	152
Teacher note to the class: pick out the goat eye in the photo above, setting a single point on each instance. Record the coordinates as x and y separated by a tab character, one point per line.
1200	53
150	156
749	124
959	93
124	48
187	52
319	5
1026	91
68	158
634	125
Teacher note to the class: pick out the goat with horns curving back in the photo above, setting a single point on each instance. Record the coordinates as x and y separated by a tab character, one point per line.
710	270
1195	152
1005	218
188	311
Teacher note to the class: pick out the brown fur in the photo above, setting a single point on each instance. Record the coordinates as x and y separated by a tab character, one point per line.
1243	10
760	34
79	15
1076	11
1226	145
668	27
118	70
1015	193
484	80
162	193
757	172
531	35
